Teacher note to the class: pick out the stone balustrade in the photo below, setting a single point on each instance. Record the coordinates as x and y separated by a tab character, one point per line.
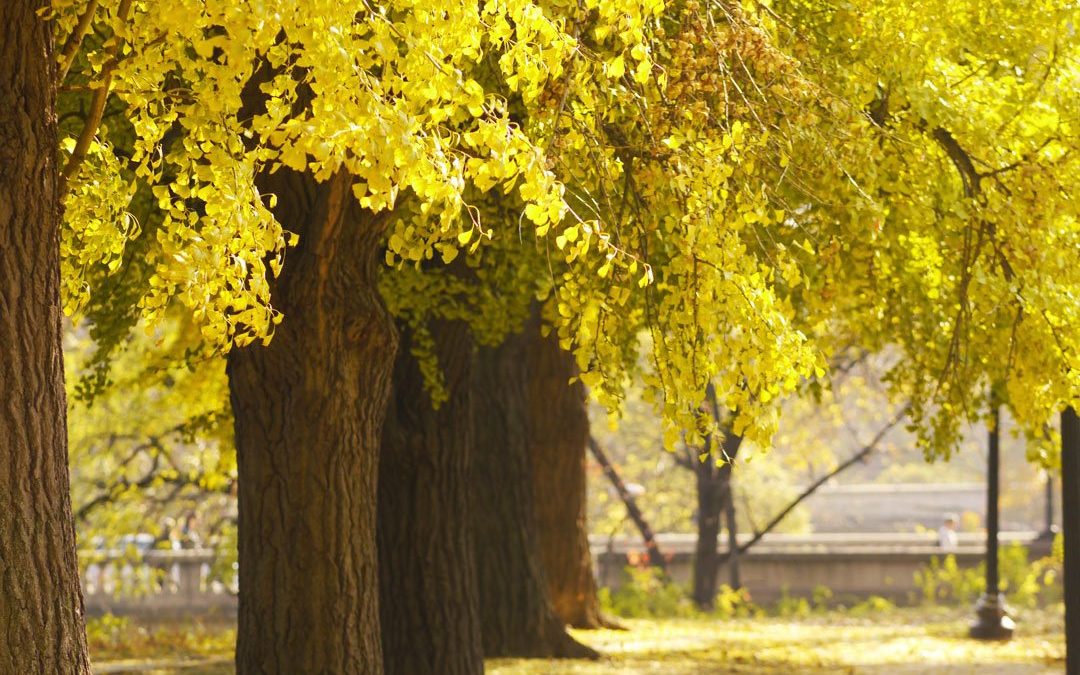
849	565
159	584
156	584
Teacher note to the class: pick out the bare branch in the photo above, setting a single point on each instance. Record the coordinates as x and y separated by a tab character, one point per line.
849	462
656	558
961	160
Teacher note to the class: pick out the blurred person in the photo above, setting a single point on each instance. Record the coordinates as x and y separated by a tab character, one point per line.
169	540
190	538
189	535
947	537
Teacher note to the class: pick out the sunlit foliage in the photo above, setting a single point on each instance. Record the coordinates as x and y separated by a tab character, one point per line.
746	189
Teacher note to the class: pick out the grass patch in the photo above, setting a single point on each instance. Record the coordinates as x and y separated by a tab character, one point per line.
905	641
121	642
910	640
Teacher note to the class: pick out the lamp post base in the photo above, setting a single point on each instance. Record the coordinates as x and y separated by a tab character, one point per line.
1048	534
992	620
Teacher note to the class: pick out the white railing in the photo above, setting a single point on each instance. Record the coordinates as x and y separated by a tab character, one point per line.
162	583
156	582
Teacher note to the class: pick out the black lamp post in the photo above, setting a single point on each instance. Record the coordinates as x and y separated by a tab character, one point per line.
992	620
1070	527
733	536
1049	529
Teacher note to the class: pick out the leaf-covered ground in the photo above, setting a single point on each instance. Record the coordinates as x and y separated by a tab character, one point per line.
904	641
899	641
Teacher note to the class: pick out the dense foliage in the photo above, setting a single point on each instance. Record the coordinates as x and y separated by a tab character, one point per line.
743	189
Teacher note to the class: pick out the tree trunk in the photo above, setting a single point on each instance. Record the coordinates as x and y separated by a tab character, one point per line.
714	489
515	612
430	618
309	410
1070	527
734	579
558	433
41	608
711	493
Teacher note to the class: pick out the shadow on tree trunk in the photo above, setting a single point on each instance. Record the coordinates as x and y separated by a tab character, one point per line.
309	410
558	426
517	617
430	613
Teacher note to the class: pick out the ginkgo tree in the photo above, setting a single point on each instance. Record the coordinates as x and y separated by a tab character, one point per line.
955	231
913	191
236	136
244	134
40	603
588	270
203	152
740	181
237	132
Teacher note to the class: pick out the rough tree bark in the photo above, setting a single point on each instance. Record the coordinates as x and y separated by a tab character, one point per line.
430	615
558	425
515	612
309	410
41	608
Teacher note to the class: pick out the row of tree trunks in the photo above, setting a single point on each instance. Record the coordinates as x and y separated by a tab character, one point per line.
41	608
515	611
309	410
558	424
430	612
459	546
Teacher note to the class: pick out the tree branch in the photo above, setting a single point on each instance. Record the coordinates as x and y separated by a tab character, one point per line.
74	41
849	462
656	558
961	160
97	103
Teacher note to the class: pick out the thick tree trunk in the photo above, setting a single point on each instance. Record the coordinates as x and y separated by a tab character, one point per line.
515	612
309	410
1070	527
430	613
41	609
558	427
